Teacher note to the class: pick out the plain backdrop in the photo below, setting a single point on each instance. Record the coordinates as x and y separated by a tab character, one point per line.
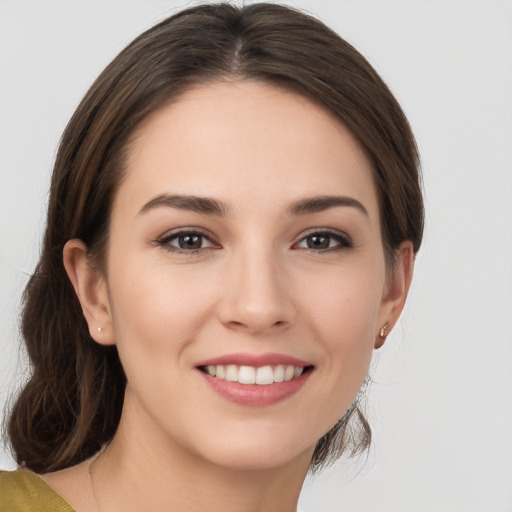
441	402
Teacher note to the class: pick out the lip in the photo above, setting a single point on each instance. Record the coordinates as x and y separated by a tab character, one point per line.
254	395
256	360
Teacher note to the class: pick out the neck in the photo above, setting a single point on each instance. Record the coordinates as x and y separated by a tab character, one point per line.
157	474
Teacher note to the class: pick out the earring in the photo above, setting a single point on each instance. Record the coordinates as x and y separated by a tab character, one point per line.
99	329
382	336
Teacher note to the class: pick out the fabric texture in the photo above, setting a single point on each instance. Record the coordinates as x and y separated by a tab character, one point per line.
24	491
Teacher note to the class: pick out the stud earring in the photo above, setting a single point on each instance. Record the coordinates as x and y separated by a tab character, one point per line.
382	335
99	329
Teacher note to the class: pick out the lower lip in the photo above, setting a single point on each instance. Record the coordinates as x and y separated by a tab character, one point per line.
254	395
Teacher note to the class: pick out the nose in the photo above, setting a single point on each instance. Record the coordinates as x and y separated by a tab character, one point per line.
257	296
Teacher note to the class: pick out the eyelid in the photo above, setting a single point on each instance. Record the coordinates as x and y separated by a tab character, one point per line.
344	240
163	240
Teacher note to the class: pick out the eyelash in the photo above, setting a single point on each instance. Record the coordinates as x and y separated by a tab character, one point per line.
166	240
343	241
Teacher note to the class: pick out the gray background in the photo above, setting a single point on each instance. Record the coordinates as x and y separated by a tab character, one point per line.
441	404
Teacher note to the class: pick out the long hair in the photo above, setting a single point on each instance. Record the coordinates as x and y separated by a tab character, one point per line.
72	403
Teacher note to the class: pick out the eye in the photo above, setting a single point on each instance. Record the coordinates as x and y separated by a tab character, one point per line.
325	241
186	241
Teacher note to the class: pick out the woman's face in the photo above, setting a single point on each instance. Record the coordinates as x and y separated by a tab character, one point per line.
245	240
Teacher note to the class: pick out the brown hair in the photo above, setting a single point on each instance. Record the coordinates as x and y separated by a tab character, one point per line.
72	403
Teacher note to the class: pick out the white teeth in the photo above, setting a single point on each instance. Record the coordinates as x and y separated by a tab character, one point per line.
263	375
289	373
279	373
220	372
247	375
231	373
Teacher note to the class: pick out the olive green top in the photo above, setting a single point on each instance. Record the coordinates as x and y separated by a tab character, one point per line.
24	491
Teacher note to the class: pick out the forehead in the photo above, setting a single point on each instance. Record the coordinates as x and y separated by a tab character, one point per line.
229	138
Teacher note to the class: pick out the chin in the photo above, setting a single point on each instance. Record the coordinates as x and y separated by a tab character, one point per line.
261	459
253	453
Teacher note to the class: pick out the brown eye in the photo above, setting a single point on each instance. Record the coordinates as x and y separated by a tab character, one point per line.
318	242
325	241
190	241
186	241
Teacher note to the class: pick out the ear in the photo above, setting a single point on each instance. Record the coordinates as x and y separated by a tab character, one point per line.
395	291
91	290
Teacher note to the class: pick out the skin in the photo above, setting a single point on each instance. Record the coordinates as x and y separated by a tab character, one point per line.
255	286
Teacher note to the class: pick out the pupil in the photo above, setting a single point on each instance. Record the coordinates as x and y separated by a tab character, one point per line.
190	242
318	242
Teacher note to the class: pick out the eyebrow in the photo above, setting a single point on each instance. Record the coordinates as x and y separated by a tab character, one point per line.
204	205
320	203
210	206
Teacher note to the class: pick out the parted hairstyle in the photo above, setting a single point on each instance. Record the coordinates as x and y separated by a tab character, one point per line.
72	403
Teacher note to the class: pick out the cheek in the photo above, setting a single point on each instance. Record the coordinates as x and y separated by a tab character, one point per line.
345	304
342	313
156	313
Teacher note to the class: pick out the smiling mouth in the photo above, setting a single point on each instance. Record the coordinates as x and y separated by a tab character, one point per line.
262	375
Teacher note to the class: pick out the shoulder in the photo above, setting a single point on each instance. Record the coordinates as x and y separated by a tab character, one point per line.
24	491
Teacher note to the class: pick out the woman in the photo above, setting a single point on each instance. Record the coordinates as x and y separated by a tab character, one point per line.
234	213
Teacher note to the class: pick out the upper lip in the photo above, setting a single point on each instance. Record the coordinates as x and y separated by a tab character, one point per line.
255	360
